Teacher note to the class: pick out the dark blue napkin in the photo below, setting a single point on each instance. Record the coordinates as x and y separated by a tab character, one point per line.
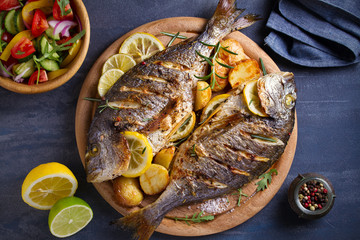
316	33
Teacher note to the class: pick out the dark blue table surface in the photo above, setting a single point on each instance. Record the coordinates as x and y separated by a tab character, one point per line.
40	128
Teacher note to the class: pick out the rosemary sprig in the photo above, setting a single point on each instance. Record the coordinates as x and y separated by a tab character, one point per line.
193	153
185	122
176	144
196	218
262	66
172	35
173	39
106	105
240	193
266	179
143	150
92	99
262	138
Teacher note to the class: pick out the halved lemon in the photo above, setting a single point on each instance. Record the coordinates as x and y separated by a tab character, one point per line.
212	105
252	99
68	216
119	61
141	154
185	128
141	46
46	184
107	80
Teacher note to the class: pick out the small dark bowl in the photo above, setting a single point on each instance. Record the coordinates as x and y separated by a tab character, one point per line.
293	196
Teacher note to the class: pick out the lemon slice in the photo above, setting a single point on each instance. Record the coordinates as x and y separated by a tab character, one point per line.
68	216
119	61
141	154
46	184
141	46
185	128
252	99
212	105
107	80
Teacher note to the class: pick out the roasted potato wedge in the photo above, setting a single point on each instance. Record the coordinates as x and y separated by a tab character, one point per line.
154	180
164	157
127	191
244	71
203	95
221	83
233	46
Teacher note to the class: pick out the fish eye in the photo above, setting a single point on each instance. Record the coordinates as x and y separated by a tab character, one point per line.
94	150
289	101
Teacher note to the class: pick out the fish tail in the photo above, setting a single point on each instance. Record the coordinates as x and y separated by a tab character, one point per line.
142	222
225	19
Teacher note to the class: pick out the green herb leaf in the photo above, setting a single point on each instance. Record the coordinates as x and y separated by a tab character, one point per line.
19	52
62	4
196	218
173	39
205	77
220	76
266	179
206	44
92	99
5	70
143	150
224	65
205	58
173	35
240	195
263	66
226	50
176	144
262	138
193	153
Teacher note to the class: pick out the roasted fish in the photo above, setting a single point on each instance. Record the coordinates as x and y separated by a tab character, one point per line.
229	150
154	97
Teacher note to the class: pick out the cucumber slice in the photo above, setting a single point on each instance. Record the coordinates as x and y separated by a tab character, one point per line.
29	65
10	22
19	23
49	33
50	65
45	46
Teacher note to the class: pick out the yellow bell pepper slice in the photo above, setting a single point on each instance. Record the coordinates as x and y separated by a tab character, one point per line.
72	53
28	8
7	51
57	73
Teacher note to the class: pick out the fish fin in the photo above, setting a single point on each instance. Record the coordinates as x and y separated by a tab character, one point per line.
142	222
246	21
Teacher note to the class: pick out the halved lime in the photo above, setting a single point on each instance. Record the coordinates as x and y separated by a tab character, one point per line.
68	216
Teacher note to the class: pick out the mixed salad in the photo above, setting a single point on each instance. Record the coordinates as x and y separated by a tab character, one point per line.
38	39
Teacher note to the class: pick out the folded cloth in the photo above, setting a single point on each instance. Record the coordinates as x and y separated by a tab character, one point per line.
316	33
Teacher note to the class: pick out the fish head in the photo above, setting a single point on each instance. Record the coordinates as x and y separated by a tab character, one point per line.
107	155
277	93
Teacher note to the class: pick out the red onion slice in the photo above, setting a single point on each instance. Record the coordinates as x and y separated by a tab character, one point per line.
60	26
18	78
5	74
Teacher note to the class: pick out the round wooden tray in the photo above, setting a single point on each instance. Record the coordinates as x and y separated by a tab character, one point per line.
234	215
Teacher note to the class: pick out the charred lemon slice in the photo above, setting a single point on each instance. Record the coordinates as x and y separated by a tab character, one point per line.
119	61
141	46
212	105
185	128
107	80
252	99
141	154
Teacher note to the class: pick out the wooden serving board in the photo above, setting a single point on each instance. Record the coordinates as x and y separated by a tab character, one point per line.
234	215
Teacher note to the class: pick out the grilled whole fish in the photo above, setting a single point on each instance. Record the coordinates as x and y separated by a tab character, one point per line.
231	149
154	97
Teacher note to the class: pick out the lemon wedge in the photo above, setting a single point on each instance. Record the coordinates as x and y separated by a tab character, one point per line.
141	154
252	99
213	104
46	184
119	61
68	216
141	46
108	79
185	128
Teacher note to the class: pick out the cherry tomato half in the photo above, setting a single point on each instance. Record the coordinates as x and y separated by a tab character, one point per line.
39	23
8	4
64	40
57	12
22	48
42	78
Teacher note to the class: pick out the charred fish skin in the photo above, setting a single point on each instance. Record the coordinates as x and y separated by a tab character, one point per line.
224	154
153	97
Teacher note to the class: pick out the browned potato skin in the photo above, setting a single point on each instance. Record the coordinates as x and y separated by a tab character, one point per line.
165	156
127	191
221	83
244	71
202	97
233	46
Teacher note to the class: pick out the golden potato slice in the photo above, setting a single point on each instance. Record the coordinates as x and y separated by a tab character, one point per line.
203	95
165	156
221	83
233	46
154	180
246	70
127	191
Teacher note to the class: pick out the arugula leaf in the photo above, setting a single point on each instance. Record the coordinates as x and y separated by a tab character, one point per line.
240	195
5	70
62	4
263	183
